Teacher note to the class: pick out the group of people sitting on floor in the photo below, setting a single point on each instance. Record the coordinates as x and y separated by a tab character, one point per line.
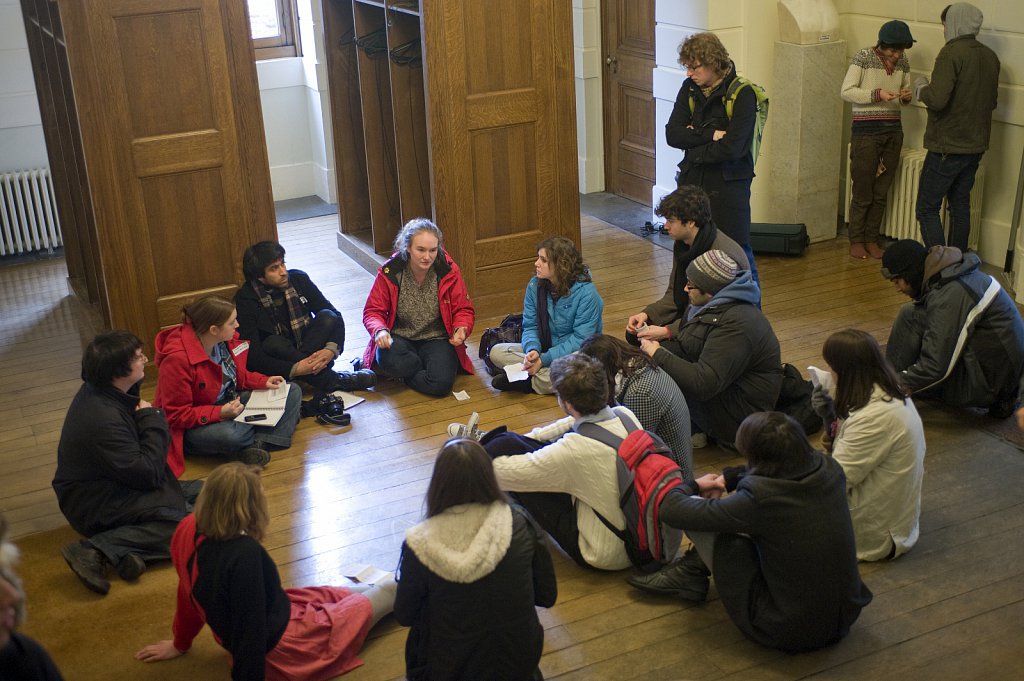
781	535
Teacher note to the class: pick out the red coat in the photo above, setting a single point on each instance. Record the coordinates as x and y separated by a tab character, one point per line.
189	383
456	308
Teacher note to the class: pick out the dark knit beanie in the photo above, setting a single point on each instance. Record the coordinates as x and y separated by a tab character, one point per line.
712	271
905	259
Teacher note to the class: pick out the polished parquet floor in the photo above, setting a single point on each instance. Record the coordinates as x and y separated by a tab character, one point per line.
951	609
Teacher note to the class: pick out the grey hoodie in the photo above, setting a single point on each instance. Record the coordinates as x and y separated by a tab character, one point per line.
962	18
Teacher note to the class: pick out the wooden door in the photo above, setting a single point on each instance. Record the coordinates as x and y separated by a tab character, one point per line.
501	113
170	118
627	39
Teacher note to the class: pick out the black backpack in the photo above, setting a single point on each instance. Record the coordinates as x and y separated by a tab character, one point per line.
795	399
509	331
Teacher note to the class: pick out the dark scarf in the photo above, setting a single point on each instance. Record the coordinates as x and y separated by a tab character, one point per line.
298	317
684	255
543	325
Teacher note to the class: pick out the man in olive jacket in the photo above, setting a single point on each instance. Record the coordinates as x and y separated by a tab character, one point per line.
960	100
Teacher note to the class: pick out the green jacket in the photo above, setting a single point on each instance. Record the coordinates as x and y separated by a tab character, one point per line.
961	97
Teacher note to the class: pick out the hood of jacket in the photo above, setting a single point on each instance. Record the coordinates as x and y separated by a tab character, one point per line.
742	289
174	339
947	263
962	18
464	543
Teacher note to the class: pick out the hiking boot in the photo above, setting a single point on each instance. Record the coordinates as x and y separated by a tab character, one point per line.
699	440
89	564
130	567
858	251
254	456
355	380
875	251
686	578
502	383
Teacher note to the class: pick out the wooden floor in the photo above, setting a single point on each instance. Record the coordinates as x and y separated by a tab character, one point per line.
951	609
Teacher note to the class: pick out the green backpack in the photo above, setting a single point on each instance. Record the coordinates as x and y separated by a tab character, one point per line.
737	84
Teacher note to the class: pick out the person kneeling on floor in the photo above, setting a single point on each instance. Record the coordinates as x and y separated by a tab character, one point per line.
781	546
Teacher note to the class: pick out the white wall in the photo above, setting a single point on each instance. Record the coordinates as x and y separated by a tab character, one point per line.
588	62
21	130
292	92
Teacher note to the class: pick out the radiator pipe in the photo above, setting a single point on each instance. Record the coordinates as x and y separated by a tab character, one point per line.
1015	220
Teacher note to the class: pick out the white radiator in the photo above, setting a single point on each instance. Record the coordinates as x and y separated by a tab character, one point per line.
28	213
899	220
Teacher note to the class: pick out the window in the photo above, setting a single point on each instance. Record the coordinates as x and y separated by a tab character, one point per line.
275	28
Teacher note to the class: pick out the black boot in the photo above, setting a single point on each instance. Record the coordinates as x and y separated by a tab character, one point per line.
686	577
89	564
502	383
355	380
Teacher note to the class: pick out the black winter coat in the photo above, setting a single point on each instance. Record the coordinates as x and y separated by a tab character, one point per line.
792	582
112	463
482	629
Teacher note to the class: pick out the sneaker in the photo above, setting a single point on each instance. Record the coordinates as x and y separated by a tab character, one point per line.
89	564
699	440
254	456
687	578
858	251
131	567
467	430
355	380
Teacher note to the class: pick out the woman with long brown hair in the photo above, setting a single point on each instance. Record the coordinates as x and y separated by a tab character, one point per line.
470	577
879	443
228	580
560	309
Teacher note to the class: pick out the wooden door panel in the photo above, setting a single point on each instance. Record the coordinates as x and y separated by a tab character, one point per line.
497	116
627	29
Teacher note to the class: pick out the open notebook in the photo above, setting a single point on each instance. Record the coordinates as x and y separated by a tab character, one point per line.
265	407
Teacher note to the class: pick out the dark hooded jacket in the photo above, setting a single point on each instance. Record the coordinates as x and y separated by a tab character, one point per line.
964	86
992	359
791	582
730	362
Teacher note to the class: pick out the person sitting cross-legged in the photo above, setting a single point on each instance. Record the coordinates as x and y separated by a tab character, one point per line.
292	329
567	481
780	546
726	357
113	481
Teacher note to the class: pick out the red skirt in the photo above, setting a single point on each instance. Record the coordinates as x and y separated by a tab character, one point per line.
324	635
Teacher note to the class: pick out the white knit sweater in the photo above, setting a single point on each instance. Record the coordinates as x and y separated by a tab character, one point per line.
867	76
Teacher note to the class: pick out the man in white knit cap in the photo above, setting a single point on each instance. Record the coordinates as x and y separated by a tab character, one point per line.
726	359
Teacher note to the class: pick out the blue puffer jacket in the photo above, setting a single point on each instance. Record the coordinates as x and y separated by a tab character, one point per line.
572	319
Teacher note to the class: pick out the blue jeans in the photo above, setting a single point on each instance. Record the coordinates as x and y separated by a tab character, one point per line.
427	366
226	438
950	176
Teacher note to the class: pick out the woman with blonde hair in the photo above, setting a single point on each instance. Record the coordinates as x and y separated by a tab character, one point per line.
879	443
561	308
715	136
228	580
204	385
470	577
418	313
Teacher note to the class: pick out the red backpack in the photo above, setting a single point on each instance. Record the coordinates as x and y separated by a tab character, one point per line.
646	473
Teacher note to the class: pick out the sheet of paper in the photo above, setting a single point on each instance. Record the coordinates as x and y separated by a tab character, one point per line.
370	574
820	378
461	395
516	372
348	399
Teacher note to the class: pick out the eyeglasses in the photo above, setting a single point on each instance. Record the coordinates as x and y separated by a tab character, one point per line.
692	67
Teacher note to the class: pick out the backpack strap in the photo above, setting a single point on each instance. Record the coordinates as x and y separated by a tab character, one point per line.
737	84
596	432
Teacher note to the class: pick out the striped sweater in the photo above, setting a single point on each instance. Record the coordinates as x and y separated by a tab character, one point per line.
865	79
